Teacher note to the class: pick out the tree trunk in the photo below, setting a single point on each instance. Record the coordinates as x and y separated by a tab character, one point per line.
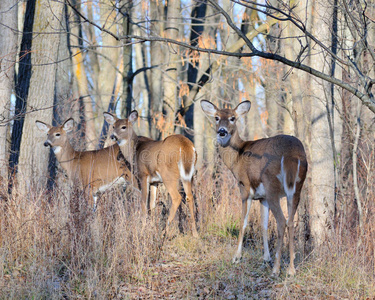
157	57
32	162
22	87
63	108
272	83
299	89
93	52
198	15
203	134
322	165
109	60
171	68
8	50
141	85
127	56
81	84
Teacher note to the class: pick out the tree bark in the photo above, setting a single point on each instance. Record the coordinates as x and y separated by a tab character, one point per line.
300	90
22	88
157	56
171	31
272	82
64	107
93	53
141	84
8	54
323	182
109	60
198	15
87	122
32	162
127	56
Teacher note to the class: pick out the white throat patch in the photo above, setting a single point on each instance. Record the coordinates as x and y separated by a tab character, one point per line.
56	149
122	143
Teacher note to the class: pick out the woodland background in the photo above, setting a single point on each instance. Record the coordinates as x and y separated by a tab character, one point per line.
306	66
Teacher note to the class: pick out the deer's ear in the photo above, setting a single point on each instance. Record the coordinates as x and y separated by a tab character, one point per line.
43	127
133	116
111	119
209	108
68	125
243	108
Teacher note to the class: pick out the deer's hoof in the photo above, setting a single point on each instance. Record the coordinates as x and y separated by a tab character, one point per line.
276	272
291	271
267	264
236	259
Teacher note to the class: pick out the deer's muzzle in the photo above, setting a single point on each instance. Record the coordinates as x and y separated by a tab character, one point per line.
223	137
222	132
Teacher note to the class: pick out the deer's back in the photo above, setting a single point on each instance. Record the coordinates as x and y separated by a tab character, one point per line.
262	158
152	155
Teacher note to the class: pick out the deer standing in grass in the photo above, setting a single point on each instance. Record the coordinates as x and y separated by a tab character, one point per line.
266	170
96	170
167	161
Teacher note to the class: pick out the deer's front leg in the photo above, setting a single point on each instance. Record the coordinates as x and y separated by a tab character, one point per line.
153	192
246	198
145	191
264	212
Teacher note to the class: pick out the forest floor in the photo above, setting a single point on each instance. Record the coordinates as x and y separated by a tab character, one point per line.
202	268
198	269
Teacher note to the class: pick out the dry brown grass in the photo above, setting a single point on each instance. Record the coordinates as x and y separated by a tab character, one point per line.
55	247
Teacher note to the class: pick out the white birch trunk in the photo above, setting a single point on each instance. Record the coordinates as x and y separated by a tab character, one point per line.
8	54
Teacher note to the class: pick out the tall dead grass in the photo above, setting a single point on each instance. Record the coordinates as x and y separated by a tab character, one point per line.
53	246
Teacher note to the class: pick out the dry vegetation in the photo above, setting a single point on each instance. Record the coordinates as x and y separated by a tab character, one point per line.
53	246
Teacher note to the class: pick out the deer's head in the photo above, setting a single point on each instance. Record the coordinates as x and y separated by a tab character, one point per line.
56	135
225	119
122	128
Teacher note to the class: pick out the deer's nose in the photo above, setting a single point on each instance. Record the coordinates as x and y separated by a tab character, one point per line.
222	132
113	137
47	143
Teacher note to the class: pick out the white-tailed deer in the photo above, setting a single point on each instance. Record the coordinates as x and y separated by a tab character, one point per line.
96	170
266	170
154	162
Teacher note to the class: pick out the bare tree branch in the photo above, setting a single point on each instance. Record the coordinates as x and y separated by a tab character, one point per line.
366	97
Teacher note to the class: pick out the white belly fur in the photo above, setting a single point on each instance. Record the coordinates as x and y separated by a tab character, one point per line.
259	193
156	178
117	181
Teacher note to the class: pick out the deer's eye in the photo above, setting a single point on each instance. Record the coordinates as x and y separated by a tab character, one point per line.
217	119
232	119
57	134
123	127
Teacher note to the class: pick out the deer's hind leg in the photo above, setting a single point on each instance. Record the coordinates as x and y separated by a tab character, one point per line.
190	200
274	203
264	213
292	208
172	188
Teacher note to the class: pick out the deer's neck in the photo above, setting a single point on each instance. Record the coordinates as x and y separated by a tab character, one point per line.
231	153
128	148
67	157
